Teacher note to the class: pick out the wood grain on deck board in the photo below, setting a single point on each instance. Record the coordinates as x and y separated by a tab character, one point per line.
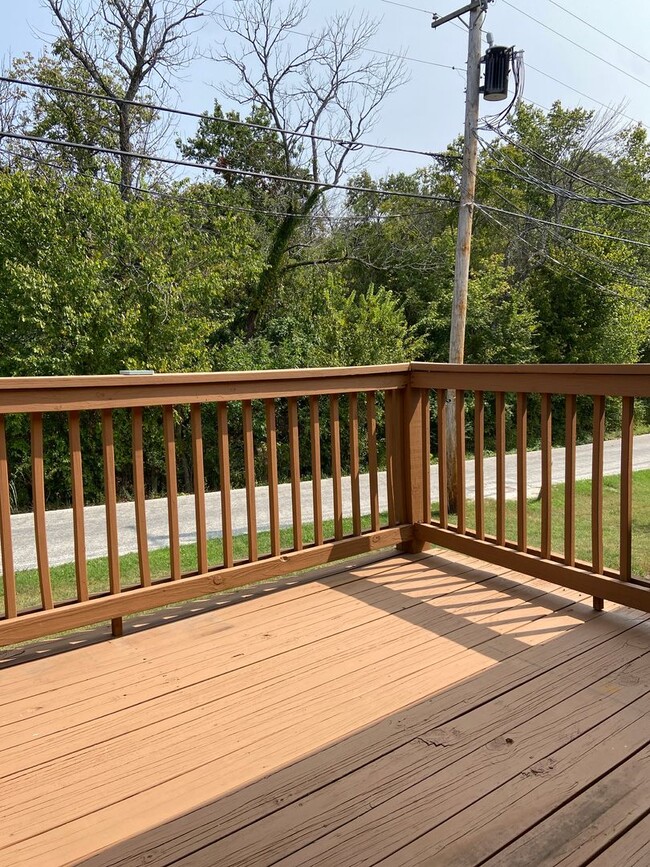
631	849
247	699
238	648
200	764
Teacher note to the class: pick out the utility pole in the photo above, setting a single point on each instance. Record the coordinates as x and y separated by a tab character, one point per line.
476	11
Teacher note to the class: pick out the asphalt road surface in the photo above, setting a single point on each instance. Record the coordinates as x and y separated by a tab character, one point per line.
59	522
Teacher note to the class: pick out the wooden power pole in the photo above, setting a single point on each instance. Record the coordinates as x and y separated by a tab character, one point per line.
476	11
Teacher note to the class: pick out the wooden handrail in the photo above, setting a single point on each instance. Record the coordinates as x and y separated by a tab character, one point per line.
615	380
68	393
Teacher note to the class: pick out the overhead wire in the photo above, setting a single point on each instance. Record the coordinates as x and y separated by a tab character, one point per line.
570	268
218	169
189	208
521	173
577	229
149	191
566	241
577	44
300	182
226	121
565	170
391	54
598	30
536	69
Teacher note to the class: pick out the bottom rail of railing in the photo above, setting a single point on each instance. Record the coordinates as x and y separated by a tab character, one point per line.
598	586
74	615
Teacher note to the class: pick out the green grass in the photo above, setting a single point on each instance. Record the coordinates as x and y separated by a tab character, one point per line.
64	582
611	513
63	577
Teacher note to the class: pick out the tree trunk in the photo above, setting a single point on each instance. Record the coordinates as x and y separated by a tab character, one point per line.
269	280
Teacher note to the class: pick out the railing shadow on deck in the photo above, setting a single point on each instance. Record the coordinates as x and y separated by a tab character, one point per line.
421	747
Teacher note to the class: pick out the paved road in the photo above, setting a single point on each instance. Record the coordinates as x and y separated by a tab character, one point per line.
59	522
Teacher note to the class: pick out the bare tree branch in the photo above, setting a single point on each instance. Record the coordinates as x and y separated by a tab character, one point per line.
120	43
322	83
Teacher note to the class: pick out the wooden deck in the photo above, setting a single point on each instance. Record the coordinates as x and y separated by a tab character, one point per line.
422	709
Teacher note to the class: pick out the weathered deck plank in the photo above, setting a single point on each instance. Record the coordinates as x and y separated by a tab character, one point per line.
328	723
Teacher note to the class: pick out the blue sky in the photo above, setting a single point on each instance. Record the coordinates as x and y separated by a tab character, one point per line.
427	112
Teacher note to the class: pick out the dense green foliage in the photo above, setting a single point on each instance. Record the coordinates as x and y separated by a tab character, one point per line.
171	278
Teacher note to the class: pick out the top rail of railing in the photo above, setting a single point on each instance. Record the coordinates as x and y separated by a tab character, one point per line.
67	393
611	380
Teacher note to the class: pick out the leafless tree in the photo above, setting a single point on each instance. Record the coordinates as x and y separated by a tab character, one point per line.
121	44
322	84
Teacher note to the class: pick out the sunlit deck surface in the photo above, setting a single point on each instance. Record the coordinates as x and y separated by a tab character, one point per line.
421	709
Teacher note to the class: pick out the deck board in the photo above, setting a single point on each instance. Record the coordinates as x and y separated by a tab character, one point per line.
332	722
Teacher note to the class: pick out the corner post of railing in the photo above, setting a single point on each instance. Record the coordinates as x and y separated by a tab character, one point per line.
415	445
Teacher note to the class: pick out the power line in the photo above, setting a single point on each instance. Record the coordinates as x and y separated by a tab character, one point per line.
583	94
369	50
597	30
577	44
609	265
536	69
324	186
307	182
223	120
521	173
149	191
569	228
486	209
570	268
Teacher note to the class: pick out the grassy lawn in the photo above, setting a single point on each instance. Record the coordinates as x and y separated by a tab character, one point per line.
63	577
611	513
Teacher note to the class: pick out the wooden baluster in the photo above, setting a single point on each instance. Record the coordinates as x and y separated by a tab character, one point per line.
198	476
108	448
570	481
224	477
372	461
415	403
479	437
38	494
8	573
354	464
500	412
426	456
627	444
460	459
547	445
389	437
522	472
78	530
272	476
597	493
294	460
335	429
172	493
139	496
316	486
441	395
249	476
399	473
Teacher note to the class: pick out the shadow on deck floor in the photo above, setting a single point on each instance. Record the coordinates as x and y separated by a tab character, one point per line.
423	709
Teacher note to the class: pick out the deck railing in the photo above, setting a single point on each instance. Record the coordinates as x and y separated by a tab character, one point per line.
386	412
546	385
210	398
